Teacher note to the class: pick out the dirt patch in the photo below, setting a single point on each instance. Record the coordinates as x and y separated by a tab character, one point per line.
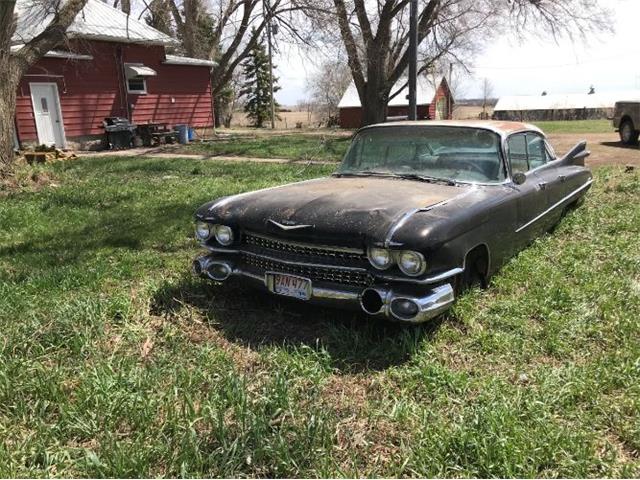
606	148
362	435
24	180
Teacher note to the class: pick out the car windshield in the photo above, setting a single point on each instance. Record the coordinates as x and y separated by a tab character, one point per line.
426	152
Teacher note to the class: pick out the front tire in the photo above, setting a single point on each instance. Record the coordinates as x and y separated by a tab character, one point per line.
474	274
628	133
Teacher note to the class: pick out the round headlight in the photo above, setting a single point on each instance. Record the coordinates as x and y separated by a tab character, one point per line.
380	258
203	230
412	263
223	234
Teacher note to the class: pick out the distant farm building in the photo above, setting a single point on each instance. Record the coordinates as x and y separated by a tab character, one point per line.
434	100
572	106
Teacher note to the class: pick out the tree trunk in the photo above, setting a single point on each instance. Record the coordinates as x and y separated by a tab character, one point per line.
374	103
14	66
217	115
8	87
191	14
373	113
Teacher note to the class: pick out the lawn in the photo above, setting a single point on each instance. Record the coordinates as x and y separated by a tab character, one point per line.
328	147
576	126
331	146
117	363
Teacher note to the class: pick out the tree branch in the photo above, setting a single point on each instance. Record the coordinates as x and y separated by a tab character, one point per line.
52	36
350	45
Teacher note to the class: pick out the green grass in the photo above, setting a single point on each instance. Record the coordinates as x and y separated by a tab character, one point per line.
328	147
116	362
576	126
331	147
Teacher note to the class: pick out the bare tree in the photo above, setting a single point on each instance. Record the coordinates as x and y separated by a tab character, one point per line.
326	87
229	100
487	94
194	27
237	26
375	34
124	5
157	14
57	16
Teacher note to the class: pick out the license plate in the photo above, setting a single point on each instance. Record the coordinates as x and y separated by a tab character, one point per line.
289	285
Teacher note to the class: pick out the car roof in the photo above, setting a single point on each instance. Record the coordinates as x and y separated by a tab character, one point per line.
498	126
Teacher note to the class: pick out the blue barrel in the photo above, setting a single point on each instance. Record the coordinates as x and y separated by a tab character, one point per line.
183	133
192	134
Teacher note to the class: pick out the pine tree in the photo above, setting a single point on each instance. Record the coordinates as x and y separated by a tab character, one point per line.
256	86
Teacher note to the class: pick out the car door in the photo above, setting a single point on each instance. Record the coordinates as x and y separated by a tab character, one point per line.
532	199
552	176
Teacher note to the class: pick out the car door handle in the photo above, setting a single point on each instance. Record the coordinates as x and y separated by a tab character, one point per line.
562	178
542	185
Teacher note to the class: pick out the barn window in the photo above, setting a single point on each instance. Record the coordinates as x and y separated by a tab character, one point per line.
136	85
137	74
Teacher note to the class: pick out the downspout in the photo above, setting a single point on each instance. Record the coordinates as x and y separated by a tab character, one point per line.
213	102
123	82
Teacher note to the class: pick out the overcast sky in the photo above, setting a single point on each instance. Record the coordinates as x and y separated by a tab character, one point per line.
609	62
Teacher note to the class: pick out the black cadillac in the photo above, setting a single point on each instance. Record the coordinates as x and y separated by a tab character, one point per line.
416	212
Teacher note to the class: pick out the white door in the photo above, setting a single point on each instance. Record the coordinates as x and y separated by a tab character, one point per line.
46	108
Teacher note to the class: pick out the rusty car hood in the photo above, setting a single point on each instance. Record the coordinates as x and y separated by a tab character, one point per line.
363	208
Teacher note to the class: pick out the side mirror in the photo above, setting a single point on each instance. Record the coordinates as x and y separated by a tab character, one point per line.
519	178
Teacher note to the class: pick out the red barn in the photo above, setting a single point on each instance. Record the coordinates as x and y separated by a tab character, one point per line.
435	102
112	65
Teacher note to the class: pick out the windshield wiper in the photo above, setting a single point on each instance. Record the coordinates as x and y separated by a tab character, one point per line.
364	173
405	176
426	178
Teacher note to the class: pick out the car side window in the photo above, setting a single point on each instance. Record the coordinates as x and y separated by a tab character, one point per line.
518	153
537	151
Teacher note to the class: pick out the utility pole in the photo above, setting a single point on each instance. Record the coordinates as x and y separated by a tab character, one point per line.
266	11
413	59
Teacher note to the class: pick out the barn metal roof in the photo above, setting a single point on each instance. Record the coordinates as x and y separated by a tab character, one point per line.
96	20
57	54
569	101
426	90
198	62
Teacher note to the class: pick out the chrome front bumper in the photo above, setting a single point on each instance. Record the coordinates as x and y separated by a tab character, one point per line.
394	302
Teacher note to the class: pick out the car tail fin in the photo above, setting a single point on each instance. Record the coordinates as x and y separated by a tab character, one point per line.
577	155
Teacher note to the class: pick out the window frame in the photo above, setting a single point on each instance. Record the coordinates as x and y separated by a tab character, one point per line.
504	163
547	150
137	92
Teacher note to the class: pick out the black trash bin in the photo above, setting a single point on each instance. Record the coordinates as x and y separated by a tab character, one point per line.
119	132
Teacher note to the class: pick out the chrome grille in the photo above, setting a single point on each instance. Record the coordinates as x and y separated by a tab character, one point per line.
316	273
278	245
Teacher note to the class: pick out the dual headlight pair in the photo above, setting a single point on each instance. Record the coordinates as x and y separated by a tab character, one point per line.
222	233
410	263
